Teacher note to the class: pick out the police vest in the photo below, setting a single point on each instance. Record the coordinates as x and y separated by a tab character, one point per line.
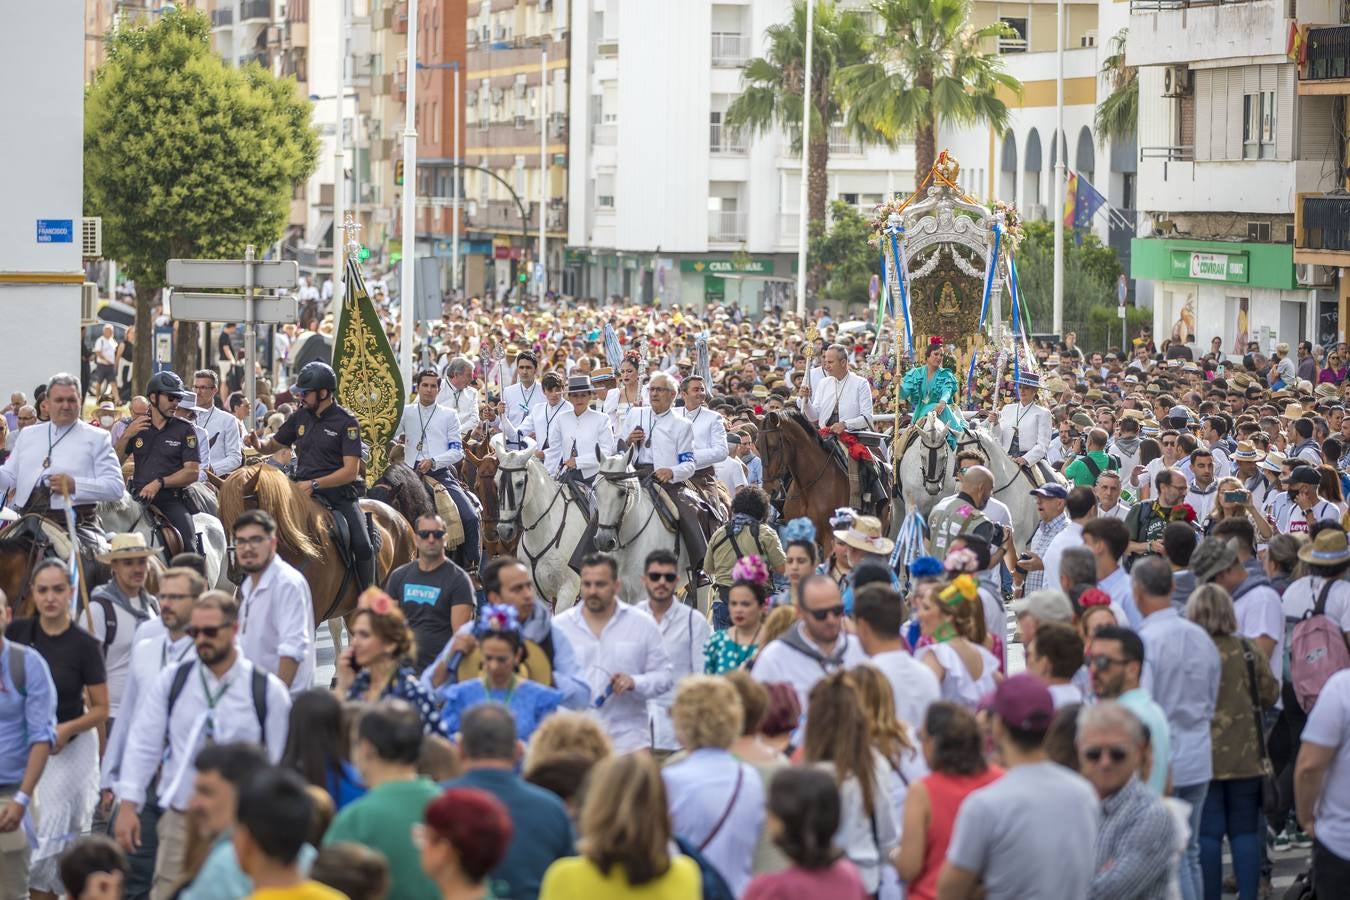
957	519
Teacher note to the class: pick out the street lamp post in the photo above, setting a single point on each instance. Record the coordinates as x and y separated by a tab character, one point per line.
339	156
406	264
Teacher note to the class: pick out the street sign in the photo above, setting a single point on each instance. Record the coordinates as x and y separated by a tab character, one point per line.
55	231
187	307
231	273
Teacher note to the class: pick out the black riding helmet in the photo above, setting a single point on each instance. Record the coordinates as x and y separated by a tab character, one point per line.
316	376
165	383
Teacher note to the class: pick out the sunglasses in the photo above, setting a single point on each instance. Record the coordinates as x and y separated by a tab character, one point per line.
210	632
1102	661
425	533
820	615
1094	754
663	576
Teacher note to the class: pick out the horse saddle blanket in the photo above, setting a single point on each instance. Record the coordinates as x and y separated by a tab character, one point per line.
666	508
1040	474
446	509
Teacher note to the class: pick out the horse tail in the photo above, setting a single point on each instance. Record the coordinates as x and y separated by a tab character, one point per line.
279	496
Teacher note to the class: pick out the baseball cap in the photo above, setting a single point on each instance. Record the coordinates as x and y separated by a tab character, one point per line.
1022	702
1305	475
1047	605
1051	491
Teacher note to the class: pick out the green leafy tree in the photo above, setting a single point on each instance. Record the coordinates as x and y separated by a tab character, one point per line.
1090	272
186	157
1117	115
841	257
772	97
929	64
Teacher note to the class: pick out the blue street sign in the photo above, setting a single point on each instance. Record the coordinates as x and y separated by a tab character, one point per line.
55	231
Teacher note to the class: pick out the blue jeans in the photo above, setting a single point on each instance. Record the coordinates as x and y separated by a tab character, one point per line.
1188	871
1232	808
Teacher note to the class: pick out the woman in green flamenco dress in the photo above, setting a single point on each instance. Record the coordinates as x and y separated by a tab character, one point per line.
931	388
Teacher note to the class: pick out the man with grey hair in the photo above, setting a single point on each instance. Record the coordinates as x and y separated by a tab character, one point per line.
463	397
63	460
841	401
1137	831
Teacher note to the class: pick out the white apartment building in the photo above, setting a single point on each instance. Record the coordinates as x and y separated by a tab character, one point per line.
1229	141
240	30
663	204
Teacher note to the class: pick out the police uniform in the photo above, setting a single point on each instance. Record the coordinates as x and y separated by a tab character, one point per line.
577	437
710	448
433	432
80	450
321	443
224	446
521	401
160	453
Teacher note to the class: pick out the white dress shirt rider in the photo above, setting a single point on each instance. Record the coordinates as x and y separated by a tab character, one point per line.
222	443
525	395
574	437
842	401
64	452
462	398
540	420
1025	426
710	432
664	439
430	431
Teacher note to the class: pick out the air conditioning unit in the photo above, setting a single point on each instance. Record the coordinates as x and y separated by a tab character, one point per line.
91	237
89	301
1176	81
1089	39
1312	275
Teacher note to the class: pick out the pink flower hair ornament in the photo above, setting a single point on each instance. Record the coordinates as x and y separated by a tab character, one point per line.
377	601
751	568
961	559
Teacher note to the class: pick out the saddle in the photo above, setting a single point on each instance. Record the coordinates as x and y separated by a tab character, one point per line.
342	539
869	481
51	540
169	538
446	509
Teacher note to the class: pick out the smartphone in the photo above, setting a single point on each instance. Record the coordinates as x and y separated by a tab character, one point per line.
1235	496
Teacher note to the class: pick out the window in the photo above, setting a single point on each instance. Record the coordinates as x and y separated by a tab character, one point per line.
609	102
1016	43
604	191
1258	125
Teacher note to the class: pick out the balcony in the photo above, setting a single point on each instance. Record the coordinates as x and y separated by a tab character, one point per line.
557	126
726	226
842	143
723	140
1168	154
1327	70
255	11
401	86
730	50
555	217
1322	229
497	215
1012	45
1168	32
222	18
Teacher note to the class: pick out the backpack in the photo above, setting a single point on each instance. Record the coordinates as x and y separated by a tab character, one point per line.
258	685
713	884
109	619
1317	650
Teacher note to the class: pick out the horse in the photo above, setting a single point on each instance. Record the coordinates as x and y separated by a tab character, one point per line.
26	541
128	516
629	527
797	461
402	488
546	519
484	466
305	535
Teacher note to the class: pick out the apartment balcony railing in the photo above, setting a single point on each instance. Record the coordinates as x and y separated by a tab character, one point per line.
724	140
841	142
557	125
1168	154
401	19
252	10
222	18
1328	53
729	49
1325	222
726	225
1012	45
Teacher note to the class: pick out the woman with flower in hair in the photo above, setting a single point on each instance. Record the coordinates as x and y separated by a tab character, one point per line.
503	650
630	391
376	665
951	622
801	556
731	648
931	388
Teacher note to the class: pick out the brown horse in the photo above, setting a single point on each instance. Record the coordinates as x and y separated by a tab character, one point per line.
815	484
484	467
305	536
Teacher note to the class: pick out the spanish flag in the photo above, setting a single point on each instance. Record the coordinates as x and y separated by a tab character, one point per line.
370	384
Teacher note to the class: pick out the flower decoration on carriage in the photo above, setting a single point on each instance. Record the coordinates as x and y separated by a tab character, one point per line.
843	517
751	568
881	216
498	617
925	567
1013	229
961	559
377	601
799	529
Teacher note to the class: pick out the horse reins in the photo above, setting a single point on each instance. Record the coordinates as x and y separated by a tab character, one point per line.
509	488
618	478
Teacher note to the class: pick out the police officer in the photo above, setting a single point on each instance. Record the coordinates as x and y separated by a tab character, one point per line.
327	443
166	453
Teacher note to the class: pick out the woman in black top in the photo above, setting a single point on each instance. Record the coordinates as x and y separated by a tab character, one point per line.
68	790
126	352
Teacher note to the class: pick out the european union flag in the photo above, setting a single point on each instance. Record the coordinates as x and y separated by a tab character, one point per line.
1082	201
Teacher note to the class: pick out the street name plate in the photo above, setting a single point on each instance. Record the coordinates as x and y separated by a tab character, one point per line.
229	273
187	307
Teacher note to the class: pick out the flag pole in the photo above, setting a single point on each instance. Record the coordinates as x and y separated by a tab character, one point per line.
1060	146
806	159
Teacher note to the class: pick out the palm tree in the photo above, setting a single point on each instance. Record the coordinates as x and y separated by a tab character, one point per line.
773	89
1117	115
929	64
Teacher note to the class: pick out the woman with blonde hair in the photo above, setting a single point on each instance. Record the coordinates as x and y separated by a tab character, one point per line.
838	739
376	664
567	732
1235	509
951	621
752	747
625	840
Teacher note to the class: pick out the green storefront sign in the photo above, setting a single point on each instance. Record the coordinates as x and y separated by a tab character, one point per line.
727	266
1200	265
1214	262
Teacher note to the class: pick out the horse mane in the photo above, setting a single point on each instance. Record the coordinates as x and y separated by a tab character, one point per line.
279	497
796	417
406	491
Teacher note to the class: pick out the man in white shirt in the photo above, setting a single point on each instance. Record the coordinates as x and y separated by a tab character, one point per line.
463	398
1109	505
523	397
577	434
683	633
1307	507
842	401
1024	426
433	446
276	615
219	697
1203	488
537	422
620	653
223	449
1322	780
731	472
879	612
105	363
710	441
1081	507
814	647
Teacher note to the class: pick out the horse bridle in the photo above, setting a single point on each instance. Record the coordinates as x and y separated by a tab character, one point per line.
621	479
784	448
933	475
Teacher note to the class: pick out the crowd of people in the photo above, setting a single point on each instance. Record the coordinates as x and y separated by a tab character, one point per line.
844	721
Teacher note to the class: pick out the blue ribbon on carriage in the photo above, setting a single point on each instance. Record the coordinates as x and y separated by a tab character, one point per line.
895	232
984	307
74	560
613	352
1015	287
1016	322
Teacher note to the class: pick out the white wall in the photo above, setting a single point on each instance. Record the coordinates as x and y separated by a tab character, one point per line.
41	177
1257	30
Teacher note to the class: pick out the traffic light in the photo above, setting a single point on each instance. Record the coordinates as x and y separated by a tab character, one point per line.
398	171
363	254
522	277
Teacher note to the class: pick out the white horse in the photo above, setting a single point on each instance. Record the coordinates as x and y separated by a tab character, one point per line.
127	515
546	516
629	526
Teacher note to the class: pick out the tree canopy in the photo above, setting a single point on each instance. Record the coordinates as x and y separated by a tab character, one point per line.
842	257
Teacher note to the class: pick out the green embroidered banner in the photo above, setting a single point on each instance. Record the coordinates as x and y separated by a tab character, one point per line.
370	384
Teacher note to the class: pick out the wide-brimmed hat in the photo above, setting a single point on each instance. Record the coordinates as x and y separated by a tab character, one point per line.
1246	452
604	373
865	535
1327	391
579	384
1213	557
1329	548
126	546
1274	461
1293	411
1027	379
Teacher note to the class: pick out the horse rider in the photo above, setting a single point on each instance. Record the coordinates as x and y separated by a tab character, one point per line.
463	397
842	403
1024	426
166	453
438	449
224	441
540	418
663	444
710	442
327	442
523	397
63	454
576	434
